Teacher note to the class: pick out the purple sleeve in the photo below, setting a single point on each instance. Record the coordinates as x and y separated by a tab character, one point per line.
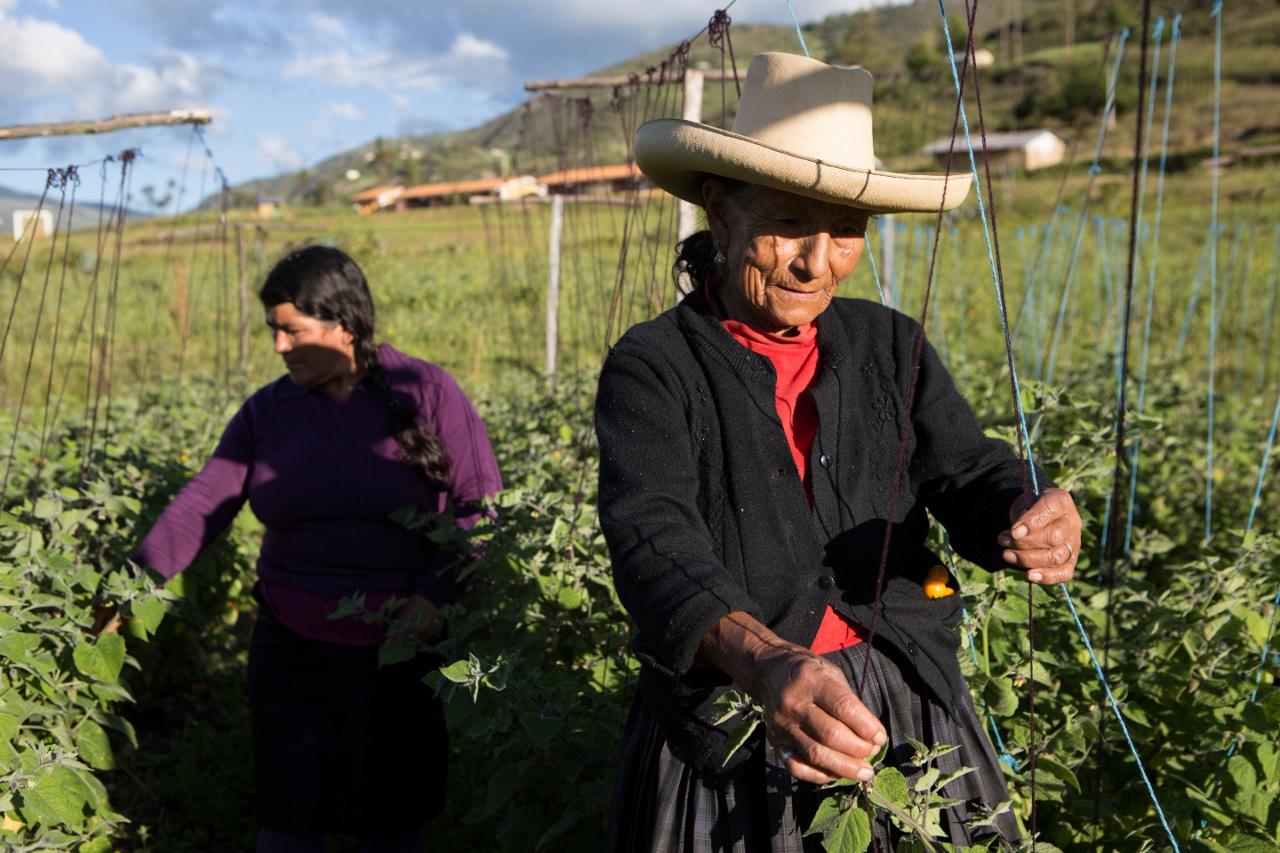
473	470
207	504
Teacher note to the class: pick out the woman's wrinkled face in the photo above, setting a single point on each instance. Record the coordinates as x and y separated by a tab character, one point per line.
785	254
315	352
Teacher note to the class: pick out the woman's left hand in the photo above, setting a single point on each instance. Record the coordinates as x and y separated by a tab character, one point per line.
1043	536
421	621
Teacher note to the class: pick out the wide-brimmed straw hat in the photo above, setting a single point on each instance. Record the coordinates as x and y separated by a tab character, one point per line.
803	127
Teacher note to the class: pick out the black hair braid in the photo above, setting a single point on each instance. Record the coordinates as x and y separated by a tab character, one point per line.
325	283
696	258
420	448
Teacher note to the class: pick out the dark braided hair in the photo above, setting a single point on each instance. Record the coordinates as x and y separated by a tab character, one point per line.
695	254
325	283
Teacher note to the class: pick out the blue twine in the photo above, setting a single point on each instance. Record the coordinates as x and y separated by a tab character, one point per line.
1115	708
1253	514
1094	169
796	21
1275	602
870	252
1197	283
991	257
1022	421
1216	13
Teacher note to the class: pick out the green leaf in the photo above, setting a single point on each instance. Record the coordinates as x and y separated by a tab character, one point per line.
851	834
56	796
559	828
1059	771
149	612
1000	697
46	509
459	672
18	646
390	654
101	659
94	746
892	785
740	735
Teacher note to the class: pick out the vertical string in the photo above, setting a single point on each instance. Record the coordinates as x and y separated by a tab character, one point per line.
1216	14
799	33
1152	264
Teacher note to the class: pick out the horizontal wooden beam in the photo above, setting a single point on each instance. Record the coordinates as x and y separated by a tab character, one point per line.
106	125
710	74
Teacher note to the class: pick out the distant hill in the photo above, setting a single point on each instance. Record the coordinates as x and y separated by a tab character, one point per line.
1049	71
86	215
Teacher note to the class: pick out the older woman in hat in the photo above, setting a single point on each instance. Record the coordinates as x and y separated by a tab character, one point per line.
766	448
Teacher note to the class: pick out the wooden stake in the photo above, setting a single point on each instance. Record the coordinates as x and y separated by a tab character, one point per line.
553	286
106	125
688	213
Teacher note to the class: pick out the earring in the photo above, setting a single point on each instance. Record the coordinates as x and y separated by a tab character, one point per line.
719	259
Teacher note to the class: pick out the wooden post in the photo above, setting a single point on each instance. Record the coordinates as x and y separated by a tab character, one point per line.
106	125
688	213
244	302
886	264
553	285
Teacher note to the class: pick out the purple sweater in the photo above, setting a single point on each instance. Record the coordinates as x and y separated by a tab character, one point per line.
323	478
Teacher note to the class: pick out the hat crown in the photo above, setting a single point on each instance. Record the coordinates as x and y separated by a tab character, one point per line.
808	108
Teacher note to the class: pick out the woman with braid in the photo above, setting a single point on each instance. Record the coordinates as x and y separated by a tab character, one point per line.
324	455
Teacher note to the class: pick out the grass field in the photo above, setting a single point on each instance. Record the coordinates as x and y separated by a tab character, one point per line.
465	287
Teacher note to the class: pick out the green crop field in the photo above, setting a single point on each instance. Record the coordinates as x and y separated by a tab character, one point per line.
120	366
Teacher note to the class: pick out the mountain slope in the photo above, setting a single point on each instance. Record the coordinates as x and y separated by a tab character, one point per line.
1050	71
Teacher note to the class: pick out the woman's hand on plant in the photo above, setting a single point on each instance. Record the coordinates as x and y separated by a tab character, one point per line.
106	619
417	620
1043	536
812	716
820	728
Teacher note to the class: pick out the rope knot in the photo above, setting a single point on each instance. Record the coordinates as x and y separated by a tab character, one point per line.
718	27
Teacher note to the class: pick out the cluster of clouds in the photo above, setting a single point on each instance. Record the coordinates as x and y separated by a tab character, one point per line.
44	62
362	58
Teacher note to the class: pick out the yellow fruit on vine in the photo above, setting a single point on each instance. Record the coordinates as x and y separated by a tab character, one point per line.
936	583
8	824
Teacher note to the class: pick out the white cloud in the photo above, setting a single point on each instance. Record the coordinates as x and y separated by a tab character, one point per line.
376	69
276	152
328	25
347	110
47	63
467	46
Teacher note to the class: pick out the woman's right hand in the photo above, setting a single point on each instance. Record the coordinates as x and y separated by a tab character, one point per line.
812	716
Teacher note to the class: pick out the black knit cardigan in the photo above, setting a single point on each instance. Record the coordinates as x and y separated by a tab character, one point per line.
704	511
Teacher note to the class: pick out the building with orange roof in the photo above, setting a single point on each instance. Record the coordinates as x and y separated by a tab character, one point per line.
377	198
594	180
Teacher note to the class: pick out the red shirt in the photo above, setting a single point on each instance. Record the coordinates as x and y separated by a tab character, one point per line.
795	361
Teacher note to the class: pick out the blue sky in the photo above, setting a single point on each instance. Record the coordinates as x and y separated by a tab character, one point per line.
291	82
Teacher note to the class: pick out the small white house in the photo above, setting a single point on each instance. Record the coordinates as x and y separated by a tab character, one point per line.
1027	149
22	223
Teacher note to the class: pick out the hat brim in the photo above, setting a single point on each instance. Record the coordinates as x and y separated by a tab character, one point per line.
679	155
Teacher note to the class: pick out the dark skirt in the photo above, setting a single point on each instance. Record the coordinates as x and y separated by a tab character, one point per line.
662	805
339	745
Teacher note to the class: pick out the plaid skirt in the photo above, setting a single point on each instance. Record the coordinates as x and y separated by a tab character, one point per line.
662	805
